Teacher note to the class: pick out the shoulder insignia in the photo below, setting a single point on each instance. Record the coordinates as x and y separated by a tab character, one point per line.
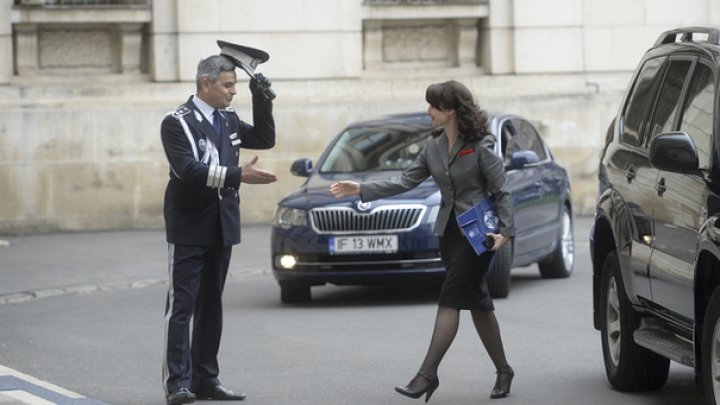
229	109
182	110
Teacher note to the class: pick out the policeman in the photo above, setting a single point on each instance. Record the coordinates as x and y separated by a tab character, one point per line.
202	141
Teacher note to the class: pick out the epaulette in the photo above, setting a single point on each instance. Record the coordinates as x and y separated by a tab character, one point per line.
229	109
182	110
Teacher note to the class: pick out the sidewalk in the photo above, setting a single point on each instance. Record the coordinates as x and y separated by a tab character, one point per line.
68	263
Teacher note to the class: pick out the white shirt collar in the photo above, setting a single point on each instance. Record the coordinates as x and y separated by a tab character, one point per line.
206	109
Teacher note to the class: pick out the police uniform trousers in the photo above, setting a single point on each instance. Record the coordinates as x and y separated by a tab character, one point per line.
198	278
465	285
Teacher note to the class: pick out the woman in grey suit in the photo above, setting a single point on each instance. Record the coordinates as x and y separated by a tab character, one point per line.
461	160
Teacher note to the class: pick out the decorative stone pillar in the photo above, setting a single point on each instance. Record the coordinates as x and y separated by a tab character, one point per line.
467	37
130	47
6	42
164	55
26	49
372	44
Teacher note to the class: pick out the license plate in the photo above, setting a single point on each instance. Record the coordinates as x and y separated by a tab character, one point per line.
363	244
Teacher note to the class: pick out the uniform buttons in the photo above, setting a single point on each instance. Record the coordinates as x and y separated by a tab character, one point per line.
237	153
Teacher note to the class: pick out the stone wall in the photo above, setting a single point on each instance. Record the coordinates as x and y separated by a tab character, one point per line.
83	96
88	156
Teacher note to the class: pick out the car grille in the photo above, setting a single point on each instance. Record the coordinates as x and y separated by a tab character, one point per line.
339	220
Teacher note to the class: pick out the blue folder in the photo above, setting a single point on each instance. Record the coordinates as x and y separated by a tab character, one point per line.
478	221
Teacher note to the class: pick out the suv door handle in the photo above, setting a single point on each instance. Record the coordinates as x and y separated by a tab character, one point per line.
630	173
660	187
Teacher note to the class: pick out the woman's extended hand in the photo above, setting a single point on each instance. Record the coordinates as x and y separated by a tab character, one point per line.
344	188
499	239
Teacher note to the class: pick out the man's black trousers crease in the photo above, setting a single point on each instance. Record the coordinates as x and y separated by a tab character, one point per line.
198	277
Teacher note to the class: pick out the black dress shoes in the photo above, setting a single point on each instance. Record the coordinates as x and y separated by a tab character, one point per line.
419	385
503	383
181	396
219	393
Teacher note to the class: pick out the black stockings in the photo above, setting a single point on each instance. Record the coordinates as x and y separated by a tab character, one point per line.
487	327
446	327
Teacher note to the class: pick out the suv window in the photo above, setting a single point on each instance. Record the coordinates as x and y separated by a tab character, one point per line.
639	101
525	138
697	117
668	100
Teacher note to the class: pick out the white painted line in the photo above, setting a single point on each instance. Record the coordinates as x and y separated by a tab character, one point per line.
21	397
6	371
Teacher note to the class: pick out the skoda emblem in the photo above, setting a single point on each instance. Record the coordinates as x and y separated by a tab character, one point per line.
363	206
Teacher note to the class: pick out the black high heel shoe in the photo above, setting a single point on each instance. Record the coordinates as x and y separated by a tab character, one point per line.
431	384
502	383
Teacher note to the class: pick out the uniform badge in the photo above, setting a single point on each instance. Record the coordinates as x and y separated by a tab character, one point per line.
202	145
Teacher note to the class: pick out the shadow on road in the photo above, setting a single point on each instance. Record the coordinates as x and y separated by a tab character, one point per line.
401	294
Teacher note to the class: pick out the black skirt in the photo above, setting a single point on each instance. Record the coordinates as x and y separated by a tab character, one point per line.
465	286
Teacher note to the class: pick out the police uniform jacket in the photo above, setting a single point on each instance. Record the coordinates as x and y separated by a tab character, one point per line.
201	199
470	172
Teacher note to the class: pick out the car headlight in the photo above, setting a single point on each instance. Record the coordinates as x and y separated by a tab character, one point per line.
432	215
286	217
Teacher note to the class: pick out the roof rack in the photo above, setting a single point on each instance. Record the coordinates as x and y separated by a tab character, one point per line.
687	34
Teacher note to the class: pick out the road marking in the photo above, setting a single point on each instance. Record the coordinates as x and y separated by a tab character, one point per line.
18	388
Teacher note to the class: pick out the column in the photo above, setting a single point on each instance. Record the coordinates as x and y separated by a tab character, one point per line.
26	41
130	47
372	45
467	37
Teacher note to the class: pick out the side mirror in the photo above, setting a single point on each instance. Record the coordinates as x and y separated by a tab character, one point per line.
674	152
522	158
301	167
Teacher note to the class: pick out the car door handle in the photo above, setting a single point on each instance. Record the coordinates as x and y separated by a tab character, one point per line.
660	187
630	173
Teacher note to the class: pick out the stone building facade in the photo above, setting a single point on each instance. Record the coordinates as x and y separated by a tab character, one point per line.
85	83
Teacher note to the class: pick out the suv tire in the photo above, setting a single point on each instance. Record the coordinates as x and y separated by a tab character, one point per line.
560	264
629	367
711	350
498	278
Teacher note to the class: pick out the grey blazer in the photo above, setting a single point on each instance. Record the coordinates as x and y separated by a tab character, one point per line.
469	173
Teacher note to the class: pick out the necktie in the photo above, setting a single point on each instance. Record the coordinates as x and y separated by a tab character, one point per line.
216	121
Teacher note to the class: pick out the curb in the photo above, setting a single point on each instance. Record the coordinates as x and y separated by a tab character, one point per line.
25	296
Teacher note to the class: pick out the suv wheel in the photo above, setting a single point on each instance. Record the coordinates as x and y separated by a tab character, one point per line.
711	350
498	278
560	264
629	367
294	293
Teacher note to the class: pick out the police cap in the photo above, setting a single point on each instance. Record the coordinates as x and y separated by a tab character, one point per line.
242	55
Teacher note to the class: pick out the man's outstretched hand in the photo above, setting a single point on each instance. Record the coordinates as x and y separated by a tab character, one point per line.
253	175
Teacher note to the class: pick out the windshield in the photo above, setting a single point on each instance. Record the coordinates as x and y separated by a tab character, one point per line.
376	148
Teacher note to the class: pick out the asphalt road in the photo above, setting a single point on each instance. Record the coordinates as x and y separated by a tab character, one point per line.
84	312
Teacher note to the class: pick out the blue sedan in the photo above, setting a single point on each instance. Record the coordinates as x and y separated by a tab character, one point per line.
318	239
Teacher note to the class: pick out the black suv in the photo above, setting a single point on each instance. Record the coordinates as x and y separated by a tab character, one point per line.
655	243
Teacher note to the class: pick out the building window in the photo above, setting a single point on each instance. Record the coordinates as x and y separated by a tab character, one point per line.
68	37
82	2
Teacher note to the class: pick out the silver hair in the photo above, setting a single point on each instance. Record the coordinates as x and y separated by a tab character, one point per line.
211	67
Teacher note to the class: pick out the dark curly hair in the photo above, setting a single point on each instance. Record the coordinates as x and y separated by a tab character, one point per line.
452	95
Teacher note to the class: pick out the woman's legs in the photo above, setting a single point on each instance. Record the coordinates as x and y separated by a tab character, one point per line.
487	327
446	327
